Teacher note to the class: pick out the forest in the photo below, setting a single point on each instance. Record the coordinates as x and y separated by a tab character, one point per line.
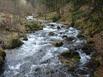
51	38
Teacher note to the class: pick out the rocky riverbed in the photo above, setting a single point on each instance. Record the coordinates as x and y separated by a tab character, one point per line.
55	51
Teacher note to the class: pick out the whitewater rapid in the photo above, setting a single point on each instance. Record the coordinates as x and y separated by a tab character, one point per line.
37	57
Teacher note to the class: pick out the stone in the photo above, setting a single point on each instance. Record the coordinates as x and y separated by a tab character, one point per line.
58	27
68	39
69	58
80	36
14	43
51	33
57	43
25	38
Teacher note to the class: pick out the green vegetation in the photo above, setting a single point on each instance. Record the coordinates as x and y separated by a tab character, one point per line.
69	58
85	14
32	26
13	43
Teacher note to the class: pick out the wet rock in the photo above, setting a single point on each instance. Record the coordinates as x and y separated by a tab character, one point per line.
80	36
68	39
52	25
37	69
58	27
57	43
51	33
69	58
25	38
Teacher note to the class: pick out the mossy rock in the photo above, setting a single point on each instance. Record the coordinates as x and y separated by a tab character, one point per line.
14	43
31	26
70	54
51	33
68	39
69	58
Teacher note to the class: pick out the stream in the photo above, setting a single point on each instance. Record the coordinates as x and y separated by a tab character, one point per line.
37	57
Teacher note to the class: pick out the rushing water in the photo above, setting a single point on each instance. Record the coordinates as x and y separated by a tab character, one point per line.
37	57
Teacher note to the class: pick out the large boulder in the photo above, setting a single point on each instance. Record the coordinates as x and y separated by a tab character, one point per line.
69	58
14	43
33	26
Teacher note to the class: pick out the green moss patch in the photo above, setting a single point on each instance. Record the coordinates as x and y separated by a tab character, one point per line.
32	26
69	58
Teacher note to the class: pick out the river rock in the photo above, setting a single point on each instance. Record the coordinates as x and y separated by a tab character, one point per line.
69	58
14	43
68	39
25	38
51	33
57	43
58	27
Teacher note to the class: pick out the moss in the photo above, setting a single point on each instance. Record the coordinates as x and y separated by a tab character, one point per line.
13	43
69	58
32	26
71	54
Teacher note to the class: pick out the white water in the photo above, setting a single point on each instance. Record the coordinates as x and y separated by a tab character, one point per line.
37	57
